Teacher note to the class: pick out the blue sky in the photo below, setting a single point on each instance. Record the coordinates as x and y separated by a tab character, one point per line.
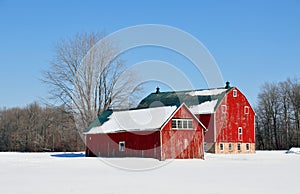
251	41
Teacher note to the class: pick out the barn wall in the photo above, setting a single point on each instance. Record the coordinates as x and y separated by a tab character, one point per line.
137	144
185	143
234	148
208	121
228	121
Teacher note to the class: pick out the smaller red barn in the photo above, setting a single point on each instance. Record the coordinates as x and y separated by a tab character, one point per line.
161	132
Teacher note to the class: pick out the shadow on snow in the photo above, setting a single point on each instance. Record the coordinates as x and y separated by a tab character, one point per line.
69	155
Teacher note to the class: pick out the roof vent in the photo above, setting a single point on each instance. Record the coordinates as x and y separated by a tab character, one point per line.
227	85
157	90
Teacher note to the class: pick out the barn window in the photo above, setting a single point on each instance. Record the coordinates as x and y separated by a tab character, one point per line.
239	147
174	124
221	147
179	123
246	109
230	147
122	146
240	130
224	108
247	146
234	93
190	124
182	124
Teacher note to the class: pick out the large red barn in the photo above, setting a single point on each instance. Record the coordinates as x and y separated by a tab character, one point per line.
225	112
159	132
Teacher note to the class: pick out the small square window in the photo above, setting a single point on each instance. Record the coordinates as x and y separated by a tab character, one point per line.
247	146
234	93
221	146
239	147
122	146
230	146
246	109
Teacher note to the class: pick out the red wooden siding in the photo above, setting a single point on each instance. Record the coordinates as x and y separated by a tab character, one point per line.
228	122
184	143
137	144
179	143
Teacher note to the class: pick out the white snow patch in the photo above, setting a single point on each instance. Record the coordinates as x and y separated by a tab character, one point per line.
205	107
207	92
293	151
264	172
131	120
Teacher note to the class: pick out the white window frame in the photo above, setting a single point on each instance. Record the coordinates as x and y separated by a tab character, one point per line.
239	147
240	130
221	146
187	124
122	148
234	93
246	110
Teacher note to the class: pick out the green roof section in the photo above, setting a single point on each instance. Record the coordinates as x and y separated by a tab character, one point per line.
100	120
190	97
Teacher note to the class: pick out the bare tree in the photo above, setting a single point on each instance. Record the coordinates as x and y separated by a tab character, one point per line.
277	120
83	76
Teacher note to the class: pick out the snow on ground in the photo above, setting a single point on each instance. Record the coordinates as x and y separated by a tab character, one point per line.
293	151
263	172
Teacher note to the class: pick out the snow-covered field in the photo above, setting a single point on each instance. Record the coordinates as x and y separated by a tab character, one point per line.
263	172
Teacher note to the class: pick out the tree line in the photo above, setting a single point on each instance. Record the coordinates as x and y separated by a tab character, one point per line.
36	128
278	115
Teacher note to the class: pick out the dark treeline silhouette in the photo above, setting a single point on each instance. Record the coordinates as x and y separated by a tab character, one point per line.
278	115
35	128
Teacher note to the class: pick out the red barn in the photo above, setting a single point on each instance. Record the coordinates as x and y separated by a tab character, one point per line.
159	132
225	112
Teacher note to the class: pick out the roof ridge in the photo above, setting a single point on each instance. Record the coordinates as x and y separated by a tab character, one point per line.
183	91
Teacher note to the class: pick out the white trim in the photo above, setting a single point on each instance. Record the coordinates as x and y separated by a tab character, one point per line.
215	138
161	145
186	120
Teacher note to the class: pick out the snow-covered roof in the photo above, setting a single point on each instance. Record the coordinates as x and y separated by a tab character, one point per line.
210	92
205	107
135	120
